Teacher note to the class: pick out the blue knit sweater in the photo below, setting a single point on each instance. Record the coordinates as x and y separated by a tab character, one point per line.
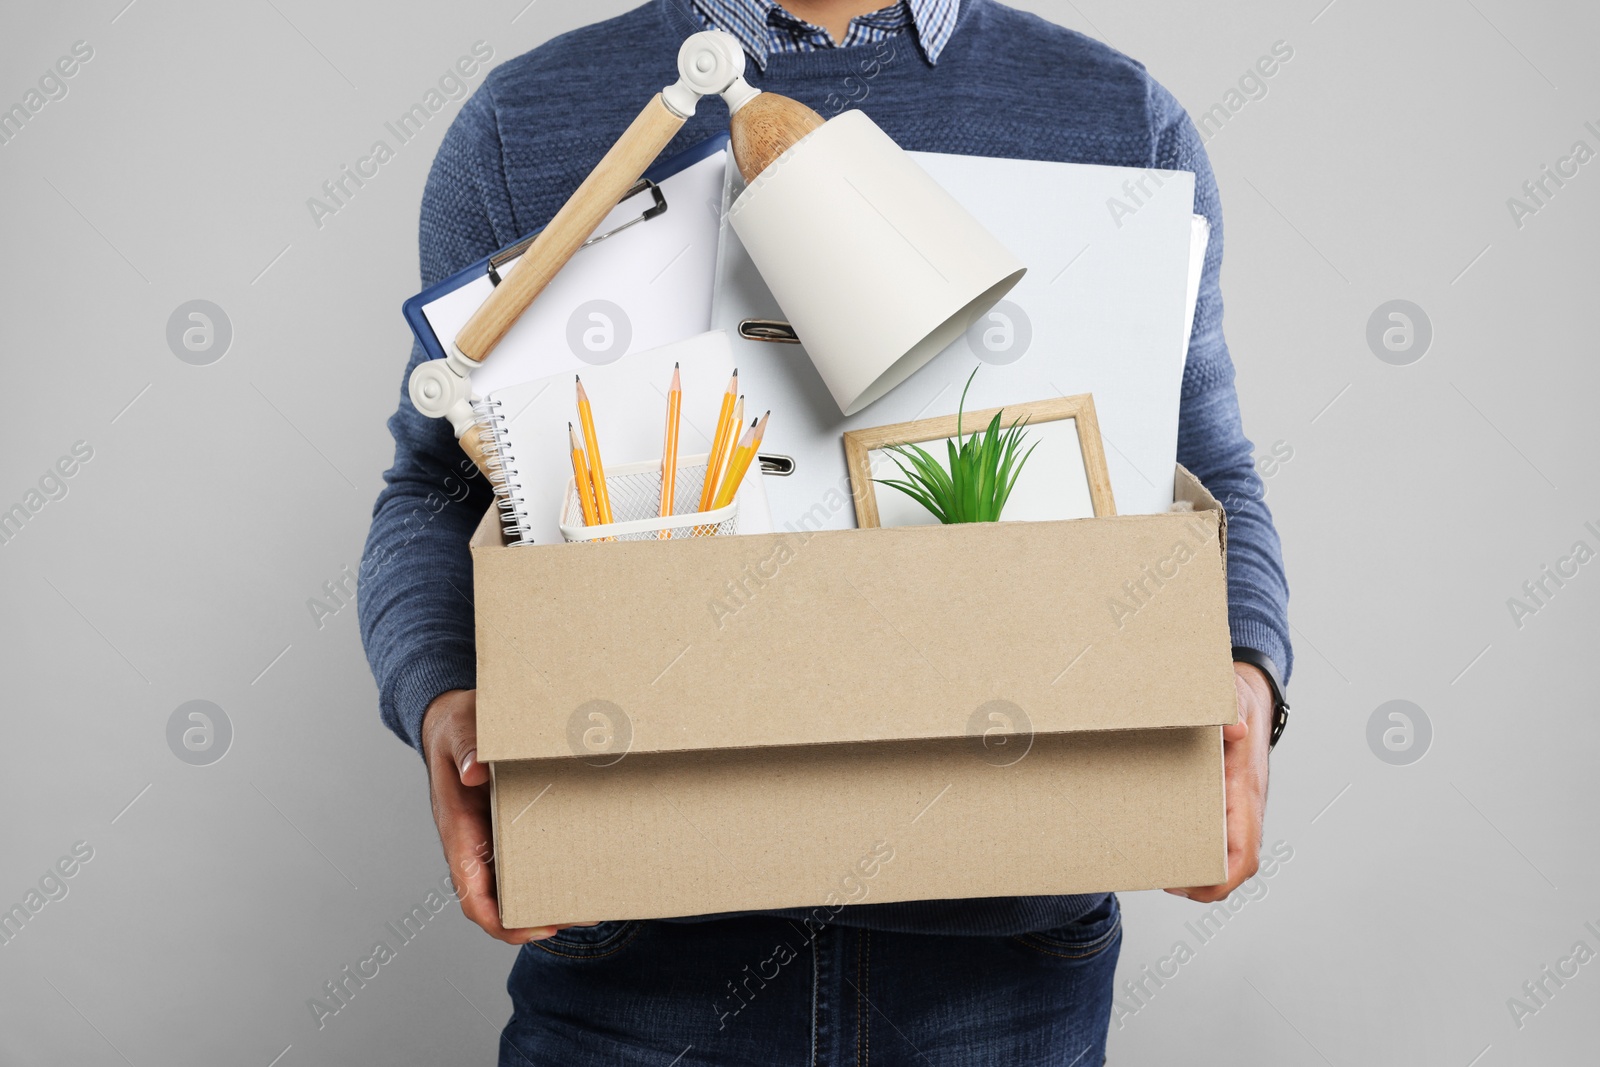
1008	84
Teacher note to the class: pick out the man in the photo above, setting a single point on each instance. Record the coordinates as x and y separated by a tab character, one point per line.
1015	981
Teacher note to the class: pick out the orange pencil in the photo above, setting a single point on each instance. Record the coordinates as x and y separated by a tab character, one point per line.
725	457
742	457
669	449
726	422
580	474
597	470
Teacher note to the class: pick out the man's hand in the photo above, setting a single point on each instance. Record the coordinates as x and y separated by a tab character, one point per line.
1244	752
459	785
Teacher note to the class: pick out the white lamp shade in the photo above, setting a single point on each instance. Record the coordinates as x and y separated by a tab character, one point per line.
875	265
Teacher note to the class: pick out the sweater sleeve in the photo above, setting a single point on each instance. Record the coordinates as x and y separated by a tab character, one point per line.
415	599
1211	440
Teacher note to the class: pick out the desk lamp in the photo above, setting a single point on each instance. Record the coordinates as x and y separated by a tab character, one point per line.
877	267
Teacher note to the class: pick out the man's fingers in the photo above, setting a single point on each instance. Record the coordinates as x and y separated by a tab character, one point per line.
1244	857
481	910
1207	894
472	772
462	813
465	833
1245	761
460	787
463	747
1242	866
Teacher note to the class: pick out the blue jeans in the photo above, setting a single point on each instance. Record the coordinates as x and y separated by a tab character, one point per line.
772	992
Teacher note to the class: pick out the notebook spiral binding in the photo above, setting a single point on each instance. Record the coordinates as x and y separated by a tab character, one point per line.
504	476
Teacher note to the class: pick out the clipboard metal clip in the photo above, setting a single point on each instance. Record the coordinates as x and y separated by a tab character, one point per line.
775	330
655	210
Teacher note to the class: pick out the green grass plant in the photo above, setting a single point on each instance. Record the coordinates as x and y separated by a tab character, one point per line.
983	469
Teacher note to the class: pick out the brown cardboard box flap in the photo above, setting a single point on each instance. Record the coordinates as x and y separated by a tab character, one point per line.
807	638
696	833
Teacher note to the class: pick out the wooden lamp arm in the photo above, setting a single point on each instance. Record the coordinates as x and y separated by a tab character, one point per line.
709	62
574	224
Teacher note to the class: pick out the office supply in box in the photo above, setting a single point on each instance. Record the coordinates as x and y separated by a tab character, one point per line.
529	427
669	450
880	264
739	462
642	282
729	415
598	484
582	484
875	263
636	493
1105	308
846	198
709	63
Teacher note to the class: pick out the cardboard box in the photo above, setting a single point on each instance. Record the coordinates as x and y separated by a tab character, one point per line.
809	718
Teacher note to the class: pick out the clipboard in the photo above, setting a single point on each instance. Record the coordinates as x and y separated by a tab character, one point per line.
655	253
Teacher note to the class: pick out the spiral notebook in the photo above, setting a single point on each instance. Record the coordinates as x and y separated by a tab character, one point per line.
524	429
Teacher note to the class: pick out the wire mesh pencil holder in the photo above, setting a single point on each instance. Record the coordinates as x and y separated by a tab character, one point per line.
635	490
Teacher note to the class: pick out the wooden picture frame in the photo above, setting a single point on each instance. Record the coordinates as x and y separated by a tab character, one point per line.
860	444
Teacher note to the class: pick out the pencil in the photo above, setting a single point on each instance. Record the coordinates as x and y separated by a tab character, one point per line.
725	457
740	463
597	470
669	449
726	421
580	474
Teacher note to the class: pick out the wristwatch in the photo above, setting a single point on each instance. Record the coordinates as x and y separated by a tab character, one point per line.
1280	706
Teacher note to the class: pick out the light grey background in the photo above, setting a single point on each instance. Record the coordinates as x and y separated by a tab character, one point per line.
220	498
